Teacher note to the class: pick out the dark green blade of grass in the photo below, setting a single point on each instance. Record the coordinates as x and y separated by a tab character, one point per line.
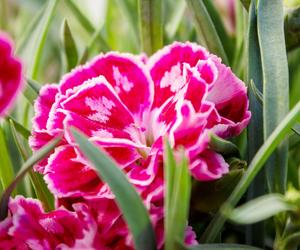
206	30
255	234
36	157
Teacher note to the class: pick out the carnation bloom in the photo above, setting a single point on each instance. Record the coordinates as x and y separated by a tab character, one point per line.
10	75
126	104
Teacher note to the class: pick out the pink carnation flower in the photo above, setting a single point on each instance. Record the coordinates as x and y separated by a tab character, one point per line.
10	75
126	105
28	226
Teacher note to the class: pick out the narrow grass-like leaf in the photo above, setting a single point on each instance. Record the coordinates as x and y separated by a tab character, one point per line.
82	19
43	29
175	18
69	45
129	8
206	30
31	90
223	246
178	192
255	166
169	170
96	40
246	3
151	25
275	85
180	199
260	209
254	92
226	41
6	169
40	188
255	233
127	198
36	157
20	128
19	142
26	37
296	129
222	146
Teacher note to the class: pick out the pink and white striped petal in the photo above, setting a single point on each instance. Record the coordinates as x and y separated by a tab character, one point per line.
166	68
127	75
208	166
97	101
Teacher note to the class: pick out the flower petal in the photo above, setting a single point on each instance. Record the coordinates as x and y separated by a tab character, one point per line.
124	72
229	94
209	166
166	68
97	101
60	171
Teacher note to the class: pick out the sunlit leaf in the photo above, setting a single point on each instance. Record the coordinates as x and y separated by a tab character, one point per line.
69	44
260	209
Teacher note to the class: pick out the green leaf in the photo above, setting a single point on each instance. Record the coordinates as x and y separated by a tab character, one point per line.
151	28
275	85
178	192
206	30
82	19
31	91
226	41
19	143
129	7
96	40
6	169
169	172
175	18
20	128
214	193
223	246
255	233
246	3
255	166
69	45
222	146
42	31
40	188
292	3
180	200
128	200
36	157
258	100
296	129
260	209
26	37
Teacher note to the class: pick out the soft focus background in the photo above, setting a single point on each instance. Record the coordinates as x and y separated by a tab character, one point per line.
94	26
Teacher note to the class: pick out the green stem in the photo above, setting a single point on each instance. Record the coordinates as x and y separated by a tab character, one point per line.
150	13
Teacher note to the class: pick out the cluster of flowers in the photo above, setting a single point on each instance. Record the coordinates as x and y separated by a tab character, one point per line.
125	104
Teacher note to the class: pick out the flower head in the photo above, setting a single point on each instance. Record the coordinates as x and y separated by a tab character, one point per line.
126	106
